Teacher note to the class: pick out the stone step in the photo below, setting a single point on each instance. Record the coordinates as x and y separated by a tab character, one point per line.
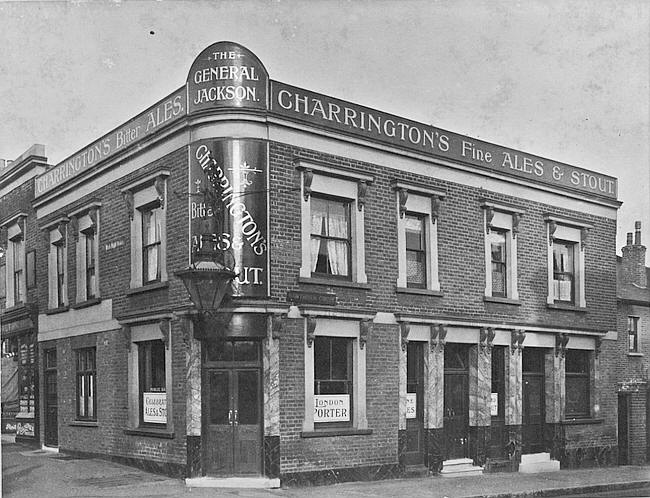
535	457
232	482
460	467
494	465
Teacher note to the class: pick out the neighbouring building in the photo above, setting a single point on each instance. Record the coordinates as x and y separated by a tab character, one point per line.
19	237
632	351
406	299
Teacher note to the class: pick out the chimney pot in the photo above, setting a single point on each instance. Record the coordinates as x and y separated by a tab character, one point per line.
637	233
629	238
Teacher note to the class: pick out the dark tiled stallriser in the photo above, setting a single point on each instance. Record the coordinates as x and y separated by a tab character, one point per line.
333	476
168	469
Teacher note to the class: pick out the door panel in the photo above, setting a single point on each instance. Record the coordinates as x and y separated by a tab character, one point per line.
218	450
247	426
533	402
456	415
51	409
415	409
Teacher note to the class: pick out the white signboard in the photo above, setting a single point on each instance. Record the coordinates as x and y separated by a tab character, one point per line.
494	404
411	405
331	408
154	408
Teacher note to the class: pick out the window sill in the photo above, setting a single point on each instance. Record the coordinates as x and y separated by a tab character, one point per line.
566	307
336	432
502	300
582	421
333	282
145	431
54	311
86	304
83	423
421	292
147	288
636	355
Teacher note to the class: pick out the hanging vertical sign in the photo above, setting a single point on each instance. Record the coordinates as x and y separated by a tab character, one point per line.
227	75
228	209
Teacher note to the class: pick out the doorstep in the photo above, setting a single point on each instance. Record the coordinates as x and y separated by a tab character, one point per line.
232	482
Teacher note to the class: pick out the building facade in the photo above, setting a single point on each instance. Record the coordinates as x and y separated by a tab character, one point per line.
18	294
405	296
632	350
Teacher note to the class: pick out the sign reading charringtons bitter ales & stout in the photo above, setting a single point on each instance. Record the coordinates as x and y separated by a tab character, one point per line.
228	208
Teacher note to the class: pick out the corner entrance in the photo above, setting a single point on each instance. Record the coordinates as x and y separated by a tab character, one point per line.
533	406
232	408
456	414
414	404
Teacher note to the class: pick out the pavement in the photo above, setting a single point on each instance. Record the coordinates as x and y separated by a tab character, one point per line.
28	472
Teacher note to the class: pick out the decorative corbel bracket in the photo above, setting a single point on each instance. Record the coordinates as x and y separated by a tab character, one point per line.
165	326
404	330
442	335
277	325
365	329
486	336
436	205
186	329
362	190
598	346
552	226
92	214
159	185
128	199
516	219
307	179
126	332
403	196
21	224
489	216
517	340
561	341
311	329
433	337
584	235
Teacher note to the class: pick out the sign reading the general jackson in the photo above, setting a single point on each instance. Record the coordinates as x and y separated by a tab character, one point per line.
163	113
227	75
232	218
339	115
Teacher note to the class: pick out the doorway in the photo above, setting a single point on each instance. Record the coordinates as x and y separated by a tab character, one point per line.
414	404
497	404
456	403
232	408
51	435
533	402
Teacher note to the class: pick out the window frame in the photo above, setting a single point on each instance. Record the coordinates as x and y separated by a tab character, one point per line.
571	252
16	236
153	214
502	262
145	378
320	179
81	376
339	328
632	331
348	381
421	219
347	240
58	233
571	376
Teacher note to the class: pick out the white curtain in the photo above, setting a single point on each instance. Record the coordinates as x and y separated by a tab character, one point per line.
318	214
337	250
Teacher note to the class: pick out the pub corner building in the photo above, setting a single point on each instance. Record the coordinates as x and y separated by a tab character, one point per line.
405	300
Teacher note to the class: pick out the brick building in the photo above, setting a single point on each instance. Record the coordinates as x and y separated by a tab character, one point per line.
19	236
406	299
632	350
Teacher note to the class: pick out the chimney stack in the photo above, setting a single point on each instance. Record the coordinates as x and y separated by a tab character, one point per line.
634	270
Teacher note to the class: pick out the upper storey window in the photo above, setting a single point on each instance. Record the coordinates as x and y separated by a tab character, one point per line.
331	240
58	264
563	271
332	228
15	283
86	222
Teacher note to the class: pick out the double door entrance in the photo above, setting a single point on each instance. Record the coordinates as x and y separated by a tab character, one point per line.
232	408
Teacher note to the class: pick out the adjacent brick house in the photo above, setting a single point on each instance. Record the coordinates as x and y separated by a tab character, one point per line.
406	297
632	350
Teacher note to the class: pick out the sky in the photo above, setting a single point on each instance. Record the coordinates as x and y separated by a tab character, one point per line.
565	80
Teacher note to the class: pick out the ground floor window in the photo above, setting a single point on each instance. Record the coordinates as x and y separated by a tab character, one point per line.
153	398
577	369
86	384
332	379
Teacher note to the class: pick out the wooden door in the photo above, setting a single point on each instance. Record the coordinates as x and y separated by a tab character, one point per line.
533	405
51	436
414	404
497	448
232	431
456	402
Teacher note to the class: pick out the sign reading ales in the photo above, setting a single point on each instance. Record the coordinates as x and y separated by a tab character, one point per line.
231	219
227	75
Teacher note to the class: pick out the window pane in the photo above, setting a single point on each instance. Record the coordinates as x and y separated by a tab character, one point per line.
321	358
330	239
152	263
247	397
577	361
157	366
414	232
246	351
340	360
416	272
577	395
219	402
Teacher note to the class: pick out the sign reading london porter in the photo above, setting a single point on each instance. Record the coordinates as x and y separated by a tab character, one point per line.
227	75
331	408
231	218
